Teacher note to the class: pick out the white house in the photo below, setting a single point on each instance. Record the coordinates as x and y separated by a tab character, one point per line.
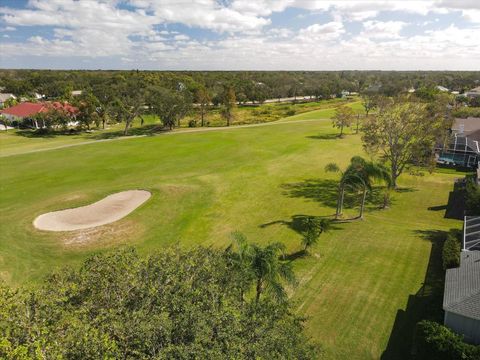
4	97
473	93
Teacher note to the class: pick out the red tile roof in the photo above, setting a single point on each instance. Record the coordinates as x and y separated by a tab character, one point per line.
24	109
27	109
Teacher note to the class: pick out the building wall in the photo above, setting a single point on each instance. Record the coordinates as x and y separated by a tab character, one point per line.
469	328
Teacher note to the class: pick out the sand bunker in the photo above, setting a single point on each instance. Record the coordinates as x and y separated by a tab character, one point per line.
110	209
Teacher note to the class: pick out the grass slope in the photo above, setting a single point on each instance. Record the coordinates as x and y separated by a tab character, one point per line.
256	180
14	142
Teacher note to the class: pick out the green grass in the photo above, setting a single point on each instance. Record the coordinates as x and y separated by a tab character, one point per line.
16	142
256	180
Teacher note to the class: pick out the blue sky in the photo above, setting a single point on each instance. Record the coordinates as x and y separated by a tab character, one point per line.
240	34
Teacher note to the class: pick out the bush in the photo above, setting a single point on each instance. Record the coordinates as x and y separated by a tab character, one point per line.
192	123
437	342
290	112
465	112
451	251
473	198
172	305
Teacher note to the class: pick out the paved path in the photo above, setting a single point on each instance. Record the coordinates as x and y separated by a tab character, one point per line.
174	132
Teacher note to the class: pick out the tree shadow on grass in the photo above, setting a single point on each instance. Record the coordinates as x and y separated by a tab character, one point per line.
425	304
325	192
456	205
298	223
146	130
32	134
324	137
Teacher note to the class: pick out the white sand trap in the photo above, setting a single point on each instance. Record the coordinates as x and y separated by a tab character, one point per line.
110	209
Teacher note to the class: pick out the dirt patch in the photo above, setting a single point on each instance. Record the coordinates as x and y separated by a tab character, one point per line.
104	236
108	210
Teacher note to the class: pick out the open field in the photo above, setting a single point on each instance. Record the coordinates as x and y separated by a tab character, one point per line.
355	287
16	142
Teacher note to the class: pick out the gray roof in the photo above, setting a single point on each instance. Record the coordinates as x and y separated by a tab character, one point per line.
462	286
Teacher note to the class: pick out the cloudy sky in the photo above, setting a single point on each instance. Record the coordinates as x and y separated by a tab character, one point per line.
240	34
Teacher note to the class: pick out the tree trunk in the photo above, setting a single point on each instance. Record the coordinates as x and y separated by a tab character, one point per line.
341	192
358	122
125	132
202	114
103	124
385	199
259	291
362	206
341	130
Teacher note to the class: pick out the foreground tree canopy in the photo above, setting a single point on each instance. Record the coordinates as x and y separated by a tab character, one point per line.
172	305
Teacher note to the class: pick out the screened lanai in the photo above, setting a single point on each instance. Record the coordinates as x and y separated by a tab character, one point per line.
471	237
460	151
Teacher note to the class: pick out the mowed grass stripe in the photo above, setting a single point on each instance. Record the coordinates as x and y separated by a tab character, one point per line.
254	180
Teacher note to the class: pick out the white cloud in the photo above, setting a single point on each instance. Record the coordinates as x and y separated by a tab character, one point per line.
382	29
319	32
91	29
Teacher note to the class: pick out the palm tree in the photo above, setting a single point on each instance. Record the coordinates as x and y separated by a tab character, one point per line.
265	266
366	173
313	229
349	178
360	174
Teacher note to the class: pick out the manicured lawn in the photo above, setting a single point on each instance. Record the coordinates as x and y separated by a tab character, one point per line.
256	180
16	142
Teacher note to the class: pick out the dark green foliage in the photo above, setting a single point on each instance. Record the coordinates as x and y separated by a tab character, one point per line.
171	305
451	251
472	203
465	112
437	342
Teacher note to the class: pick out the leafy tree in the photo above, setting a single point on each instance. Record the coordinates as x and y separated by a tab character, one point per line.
204	99
369	103
229	104
169	305
170	106
265	267
313	229
88	106
343	118
401	132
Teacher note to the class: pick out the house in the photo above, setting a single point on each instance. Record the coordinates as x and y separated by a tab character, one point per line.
6	96
441	88
462	148
76	92
25	112
461	300
474	93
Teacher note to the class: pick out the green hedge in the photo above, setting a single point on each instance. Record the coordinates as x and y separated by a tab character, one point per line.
451	251
437	342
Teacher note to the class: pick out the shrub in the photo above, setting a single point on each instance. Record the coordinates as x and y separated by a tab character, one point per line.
290	112
192	123
451	252
437	342
473	198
